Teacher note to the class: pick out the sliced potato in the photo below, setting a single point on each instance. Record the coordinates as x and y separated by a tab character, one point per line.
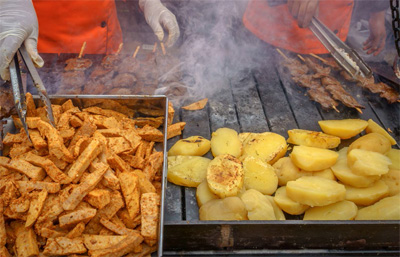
373	127
326	173
392	180
315	191
203	193
386	209
394	156
367	163
343	210
187	170
367	195
229	208
286	170
279	215
312	138
225	175
312	158
371	142
259	175
191	146
257	205
347	176
344	129
287	204
226	141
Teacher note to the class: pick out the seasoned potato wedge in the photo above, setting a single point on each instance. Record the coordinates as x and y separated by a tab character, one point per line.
192	146
229	208
367	163
344	129
266	146
347	176
315	191
373	127
394	156
312	158
367	195
226	141
203	193
225	175
287	204
312	138
257	205
286	170
259	175
392	180
371	142
386	209
187	170
343	210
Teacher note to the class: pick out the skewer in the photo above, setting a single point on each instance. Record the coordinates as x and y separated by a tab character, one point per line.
136	51
283	55
334	107
163	48
119	49
359	110
301	58
82	49
319	58
155	47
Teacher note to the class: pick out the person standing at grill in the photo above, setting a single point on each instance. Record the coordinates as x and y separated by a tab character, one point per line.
286	25
65	25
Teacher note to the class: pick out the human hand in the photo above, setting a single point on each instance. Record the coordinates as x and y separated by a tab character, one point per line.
18	24
377	34
158	16
303	11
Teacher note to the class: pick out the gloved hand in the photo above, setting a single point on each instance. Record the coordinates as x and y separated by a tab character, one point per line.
377	35
158	16
303	11
18	24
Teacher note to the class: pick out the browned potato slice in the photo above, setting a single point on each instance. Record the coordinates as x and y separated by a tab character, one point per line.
192	146
229	208
312	138
266	146
187	170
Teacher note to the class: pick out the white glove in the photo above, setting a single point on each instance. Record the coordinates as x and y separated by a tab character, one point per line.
18	24
158	16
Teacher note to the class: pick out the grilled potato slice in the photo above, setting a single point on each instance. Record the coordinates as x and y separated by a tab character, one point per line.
312	158
368	195
230	208
257	205
191	146
226	141
259	175
386	209
279	215
392	180
287	204
315	191
312	138
394	156
286	170
371	142
187	170
373	127
344	129
344	210
225	175
266	146
204	194
367	163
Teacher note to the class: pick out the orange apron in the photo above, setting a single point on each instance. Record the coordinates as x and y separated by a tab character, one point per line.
65	24
276	25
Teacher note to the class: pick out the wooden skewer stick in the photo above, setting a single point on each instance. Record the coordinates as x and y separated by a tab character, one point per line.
301	58
334	107
163	48
82	49
155	47
319	58
359	110
119	49
283	55
136	51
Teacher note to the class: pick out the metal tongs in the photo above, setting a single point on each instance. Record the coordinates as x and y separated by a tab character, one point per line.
345	56
18	91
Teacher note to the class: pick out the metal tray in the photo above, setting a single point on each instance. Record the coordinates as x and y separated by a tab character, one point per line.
133	102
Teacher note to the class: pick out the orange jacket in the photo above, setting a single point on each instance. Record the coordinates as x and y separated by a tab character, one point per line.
276	25
65	25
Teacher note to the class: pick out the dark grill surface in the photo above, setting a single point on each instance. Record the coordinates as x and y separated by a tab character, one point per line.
258	100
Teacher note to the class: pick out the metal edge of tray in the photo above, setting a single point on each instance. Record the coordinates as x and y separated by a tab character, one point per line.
164	101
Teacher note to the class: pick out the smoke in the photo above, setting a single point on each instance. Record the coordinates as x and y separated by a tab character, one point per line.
215	46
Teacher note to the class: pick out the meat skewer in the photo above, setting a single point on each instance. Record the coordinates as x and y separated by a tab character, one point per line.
385	91
79	63
314	88
332	85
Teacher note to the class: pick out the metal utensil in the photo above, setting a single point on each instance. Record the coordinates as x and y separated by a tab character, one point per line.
345	56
